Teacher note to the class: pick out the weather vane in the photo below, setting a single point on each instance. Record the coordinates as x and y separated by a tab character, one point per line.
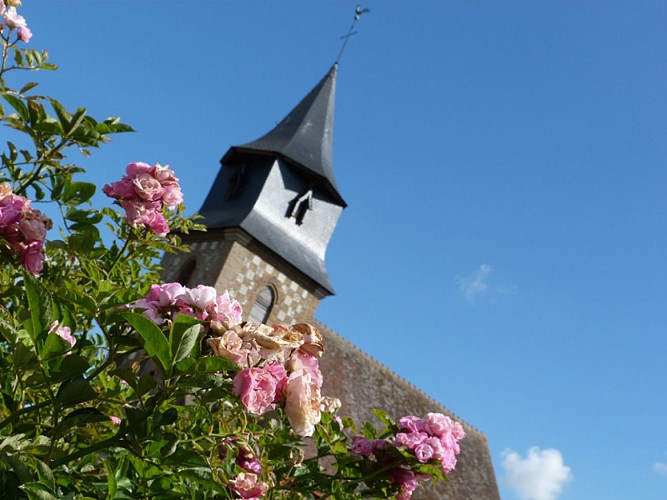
358	12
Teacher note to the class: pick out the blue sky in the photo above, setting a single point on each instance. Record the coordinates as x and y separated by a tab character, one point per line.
505	167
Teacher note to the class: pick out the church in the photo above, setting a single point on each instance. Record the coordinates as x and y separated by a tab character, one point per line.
270	215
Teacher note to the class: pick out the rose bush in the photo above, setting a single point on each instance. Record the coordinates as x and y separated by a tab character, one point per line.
114	389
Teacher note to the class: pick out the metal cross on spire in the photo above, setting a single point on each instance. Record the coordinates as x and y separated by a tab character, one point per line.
358	12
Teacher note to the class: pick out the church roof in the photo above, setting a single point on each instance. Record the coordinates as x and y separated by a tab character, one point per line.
305	136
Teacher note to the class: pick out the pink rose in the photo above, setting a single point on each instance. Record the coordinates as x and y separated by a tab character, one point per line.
25	34
148	188
361	446
201	297
257	389
423	452
136	168
33	226
411	423
300	360
406	482
115	420
12	19
278	372
227	309
449	442
231	346
146	213
380	445
172	195
11	209
137	212
165	175
302	404
448	461
32	257
248	486
410	440
437	447
438	424
150	310
457	431
247	460
157	223
120	190
170	293
63	332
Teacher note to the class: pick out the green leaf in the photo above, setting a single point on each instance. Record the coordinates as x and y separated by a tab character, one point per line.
40	305
37	491
84	216
78	192
111	480
28	86
183	337
46	475
76	391
63	115
76	120
168	417
146	384
66	367
18	105
12	443
136	420
78	418
155	342
54	346
23	356
384	418
8	332
84	239
207	364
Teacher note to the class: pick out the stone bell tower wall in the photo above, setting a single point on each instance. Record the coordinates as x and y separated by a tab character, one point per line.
230	260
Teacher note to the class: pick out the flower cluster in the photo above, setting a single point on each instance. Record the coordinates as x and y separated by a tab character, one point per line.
13	20
433	439
143	192
23	228
436	438
164	302
280	366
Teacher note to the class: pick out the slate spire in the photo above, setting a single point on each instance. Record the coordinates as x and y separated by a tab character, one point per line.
280	189
305	136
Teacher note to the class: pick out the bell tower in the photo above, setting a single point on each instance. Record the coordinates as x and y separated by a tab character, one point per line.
270	214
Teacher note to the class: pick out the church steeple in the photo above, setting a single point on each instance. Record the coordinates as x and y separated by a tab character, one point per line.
278	195
305	136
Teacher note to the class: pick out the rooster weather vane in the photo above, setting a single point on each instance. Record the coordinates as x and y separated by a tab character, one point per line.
358	12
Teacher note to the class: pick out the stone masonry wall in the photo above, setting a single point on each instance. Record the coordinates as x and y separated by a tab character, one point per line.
230	260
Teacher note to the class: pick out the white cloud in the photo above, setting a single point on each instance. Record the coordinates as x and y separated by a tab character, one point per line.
539	476
660	468
476	286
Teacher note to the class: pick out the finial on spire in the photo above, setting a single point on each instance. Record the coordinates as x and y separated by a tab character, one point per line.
358	12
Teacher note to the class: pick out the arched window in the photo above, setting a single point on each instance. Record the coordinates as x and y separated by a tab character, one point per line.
261	309
187	271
